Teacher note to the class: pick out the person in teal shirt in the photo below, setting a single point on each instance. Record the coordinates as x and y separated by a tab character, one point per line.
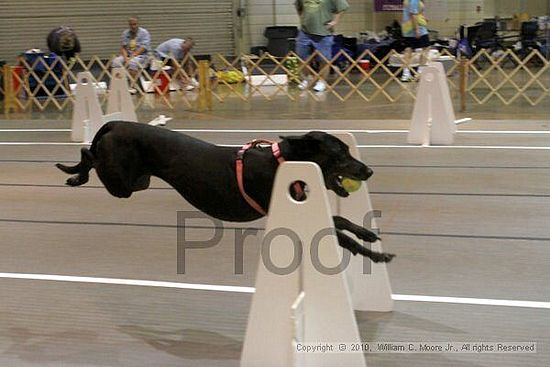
414	22
415	31
318	18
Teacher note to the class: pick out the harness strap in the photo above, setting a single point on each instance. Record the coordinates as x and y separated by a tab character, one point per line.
240	169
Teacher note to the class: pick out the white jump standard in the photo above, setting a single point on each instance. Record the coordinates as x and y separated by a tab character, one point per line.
87	113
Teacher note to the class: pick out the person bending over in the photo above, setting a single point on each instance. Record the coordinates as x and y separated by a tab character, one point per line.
172	53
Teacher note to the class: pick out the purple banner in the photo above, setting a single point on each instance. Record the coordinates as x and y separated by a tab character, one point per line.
388	5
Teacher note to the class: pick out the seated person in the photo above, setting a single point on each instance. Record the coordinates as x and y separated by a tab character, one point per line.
172	53
135	45
63	42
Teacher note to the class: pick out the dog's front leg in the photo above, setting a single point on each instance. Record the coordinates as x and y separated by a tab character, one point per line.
342	224
361	232
356	248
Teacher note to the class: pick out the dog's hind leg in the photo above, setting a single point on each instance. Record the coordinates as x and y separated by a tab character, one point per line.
141	183
82	169
120	169
356	248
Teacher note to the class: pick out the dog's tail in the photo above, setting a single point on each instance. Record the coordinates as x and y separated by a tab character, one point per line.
82	168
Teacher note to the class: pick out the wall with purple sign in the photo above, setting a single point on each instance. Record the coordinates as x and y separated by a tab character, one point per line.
388	5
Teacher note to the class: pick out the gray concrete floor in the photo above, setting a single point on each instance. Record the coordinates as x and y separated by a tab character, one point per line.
465	221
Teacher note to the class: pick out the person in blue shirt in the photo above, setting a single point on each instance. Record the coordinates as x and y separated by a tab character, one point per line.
134	47
175	48
415	31
415	24
172	53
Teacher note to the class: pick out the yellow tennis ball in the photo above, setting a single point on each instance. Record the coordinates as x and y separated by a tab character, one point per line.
350	185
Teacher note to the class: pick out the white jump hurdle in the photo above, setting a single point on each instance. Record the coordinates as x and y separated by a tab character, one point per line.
87	114
327	306
433	120
306	305
120	99
370	288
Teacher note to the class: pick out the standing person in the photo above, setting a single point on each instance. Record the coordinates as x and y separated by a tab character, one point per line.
318	18
134	47
415	31
172	52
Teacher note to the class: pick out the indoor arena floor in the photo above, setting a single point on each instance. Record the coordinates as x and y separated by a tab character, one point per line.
467	221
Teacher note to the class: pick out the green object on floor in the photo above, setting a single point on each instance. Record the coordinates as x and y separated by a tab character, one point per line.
292	66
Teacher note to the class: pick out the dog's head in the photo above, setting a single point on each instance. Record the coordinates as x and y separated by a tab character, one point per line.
331	154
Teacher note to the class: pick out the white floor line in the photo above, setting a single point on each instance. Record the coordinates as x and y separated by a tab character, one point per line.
358	131
134	282
512	147
506	132
509	147
504	147
472	301
238	289
39	143
34	130
365	131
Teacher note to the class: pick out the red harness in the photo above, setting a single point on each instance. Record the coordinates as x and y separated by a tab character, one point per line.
240	168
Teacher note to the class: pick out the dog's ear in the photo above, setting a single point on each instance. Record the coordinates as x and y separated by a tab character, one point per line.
321	141
312	135
294	137
317	135
303	143
300	139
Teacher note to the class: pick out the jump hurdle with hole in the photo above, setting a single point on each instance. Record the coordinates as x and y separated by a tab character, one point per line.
309	304
368	282
87	114
433	120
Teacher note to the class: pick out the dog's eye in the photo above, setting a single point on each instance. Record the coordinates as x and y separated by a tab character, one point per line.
342	152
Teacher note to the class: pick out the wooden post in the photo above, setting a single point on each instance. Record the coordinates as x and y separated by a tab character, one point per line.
10	102
463	69
205	90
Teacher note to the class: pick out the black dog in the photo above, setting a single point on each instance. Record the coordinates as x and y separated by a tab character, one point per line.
125	155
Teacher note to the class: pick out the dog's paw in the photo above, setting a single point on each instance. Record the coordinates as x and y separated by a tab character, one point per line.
368	236
73	181
377	257
381	257
77	180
